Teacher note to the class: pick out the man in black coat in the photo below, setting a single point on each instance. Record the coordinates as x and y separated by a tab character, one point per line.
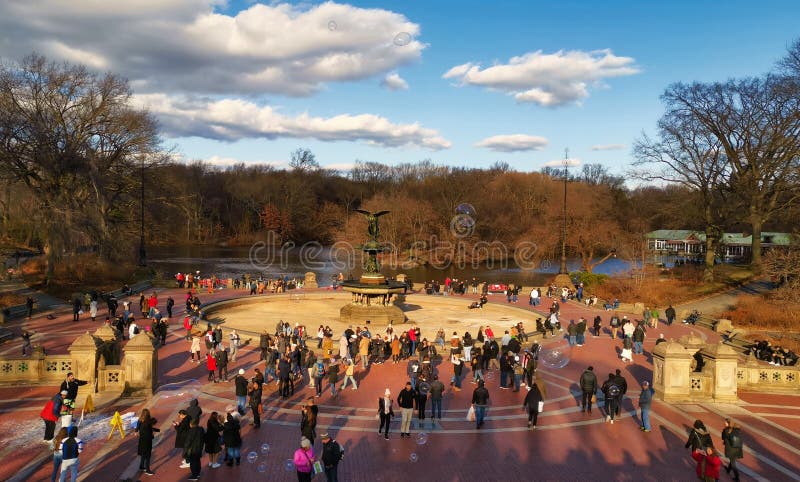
588	384
193	449
222	363
241	391
284	370
620	381
181	432
194	411
71	385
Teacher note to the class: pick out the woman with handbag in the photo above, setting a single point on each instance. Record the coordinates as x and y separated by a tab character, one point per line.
533	402
146	428
213	439
304	460
732	439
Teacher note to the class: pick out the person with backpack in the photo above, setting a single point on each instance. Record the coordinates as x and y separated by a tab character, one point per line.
732	439
332	454
319	375
699	438
50	414
611	392
70	448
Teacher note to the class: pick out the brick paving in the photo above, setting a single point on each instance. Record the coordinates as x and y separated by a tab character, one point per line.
567	445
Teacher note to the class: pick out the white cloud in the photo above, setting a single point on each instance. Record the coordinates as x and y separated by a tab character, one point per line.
546	79
393	81
513	143
234	119
221	161
608	147
188	46
562	162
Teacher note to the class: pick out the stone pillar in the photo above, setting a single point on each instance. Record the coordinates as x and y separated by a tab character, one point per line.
671	371
721	362
83	353
140	364
310	280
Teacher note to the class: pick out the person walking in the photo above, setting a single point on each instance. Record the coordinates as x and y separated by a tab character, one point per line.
385	413
332	453
480	400
638	338
319	374
708	464
194	350
405	399
699	438
436	393
611	392
235	341
232	438
213	434
304	460
146	430
645	401
622	383
458	368
534	402
181	426
348	374
193	449
670	314
732	439
55	447
70	448
333	375
588	384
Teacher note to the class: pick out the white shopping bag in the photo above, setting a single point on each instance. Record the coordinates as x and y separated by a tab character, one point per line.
541	406
471	414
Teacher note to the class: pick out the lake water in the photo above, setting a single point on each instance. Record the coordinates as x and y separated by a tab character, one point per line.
328	262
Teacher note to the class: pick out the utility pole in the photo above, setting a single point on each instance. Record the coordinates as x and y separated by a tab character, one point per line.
563	268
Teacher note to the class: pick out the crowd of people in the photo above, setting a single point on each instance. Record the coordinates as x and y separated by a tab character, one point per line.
293	358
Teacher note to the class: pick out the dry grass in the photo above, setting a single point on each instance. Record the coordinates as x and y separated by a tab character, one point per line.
755	312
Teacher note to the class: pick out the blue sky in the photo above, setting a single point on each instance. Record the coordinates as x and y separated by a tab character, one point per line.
242	81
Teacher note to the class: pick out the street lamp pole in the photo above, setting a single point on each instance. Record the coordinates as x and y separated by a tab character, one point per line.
563	268
142	251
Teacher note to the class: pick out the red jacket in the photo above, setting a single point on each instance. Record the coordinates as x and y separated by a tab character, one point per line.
713	463
152	302
211	363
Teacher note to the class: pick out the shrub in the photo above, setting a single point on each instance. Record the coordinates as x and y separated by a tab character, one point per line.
589	280
756	312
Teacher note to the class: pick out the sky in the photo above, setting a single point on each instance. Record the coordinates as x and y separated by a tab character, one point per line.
466	83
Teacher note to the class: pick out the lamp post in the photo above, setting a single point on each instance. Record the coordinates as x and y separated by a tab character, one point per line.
142	251
562	278
563	267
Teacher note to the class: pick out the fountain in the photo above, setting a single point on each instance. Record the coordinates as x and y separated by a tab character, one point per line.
373	296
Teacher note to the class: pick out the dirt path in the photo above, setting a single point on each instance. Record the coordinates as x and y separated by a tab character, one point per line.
716	304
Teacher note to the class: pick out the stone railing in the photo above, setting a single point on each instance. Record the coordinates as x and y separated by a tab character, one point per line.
753	376
34	369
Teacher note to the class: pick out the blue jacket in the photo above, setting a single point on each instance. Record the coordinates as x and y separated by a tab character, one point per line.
646	398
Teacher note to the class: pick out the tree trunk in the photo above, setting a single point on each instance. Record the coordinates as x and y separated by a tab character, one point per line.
711	243
755	259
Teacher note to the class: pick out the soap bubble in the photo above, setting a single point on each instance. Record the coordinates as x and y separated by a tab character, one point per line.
556	356
466	208
462	225
424	388
422	438
413	457
402	39
178	392
262	467
288	465
265	448
252	457
332	26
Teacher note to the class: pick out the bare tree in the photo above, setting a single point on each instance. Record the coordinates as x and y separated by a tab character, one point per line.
303	159
757	124
689	155
72	138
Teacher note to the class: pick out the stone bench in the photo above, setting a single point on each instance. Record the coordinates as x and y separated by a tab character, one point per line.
135	289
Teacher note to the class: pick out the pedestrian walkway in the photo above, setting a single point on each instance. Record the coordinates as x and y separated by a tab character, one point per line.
566	445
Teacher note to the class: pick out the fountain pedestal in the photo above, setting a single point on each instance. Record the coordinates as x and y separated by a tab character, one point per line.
375	302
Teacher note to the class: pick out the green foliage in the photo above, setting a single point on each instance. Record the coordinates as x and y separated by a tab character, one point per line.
589	280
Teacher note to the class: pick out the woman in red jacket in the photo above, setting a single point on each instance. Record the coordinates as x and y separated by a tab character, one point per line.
211	365
708	464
